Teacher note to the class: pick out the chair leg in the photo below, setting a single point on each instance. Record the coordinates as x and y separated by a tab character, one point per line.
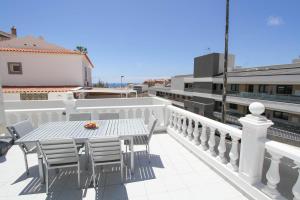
26	163
94	178
78	175
47	181
148	151
122	170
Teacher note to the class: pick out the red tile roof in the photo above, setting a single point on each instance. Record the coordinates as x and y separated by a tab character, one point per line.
7	89
50	51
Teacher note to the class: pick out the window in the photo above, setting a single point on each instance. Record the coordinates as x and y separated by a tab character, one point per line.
262	88
34	96
284	89
14	67
280	115
214	86
234	87
188	85
233	106
250	88
221	86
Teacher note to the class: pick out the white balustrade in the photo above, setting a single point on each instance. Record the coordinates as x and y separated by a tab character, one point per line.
222	147
234	153
184	127
203	138
273	176
190	129
212	141
196	133
171	119
179	124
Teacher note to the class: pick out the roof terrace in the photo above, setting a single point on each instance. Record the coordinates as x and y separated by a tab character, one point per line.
192	157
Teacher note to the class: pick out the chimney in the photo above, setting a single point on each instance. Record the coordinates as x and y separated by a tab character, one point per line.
13	31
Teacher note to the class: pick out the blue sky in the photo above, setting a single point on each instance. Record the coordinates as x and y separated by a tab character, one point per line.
159	38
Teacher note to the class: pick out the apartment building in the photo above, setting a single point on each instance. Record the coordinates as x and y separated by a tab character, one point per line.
33	69
276	86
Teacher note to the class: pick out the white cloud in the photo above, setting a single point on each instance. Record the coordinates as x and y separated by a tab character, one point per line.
275	21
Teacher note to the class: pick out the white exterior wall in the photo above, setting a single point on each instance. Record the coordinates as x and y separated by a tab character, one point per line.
11	96
42	69
177	83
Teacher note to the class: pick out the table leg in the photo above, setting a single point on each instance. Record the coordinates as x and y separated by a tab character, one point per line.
132	155
87	155
41	169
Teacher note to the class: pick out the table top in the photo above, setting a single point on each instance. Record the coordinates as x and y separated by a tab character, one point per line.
75	129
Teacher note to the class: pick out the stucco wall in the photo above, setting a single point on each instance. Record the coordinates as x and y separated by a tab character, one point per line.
42	69
177	83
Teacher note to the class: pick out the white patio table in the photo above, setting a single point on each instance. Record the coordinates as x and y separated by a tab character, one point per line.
122	128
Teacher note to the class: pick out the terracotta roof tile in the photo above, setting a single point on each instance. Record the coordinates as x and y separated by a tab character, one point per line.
36	89
50	51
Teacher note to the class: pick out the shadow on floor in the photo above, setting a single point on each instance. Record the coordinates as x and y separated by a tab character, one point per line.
63	185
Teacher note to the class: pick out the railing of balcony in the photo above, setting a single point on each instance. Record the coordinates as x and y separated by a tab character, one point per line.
239	155
269	97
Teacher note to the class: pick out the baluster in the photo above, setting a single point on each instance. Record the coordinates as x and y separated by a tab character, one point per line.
125	113
179	124
234	153
196	133
143	114
184	127
222	147
171	119
190	129
212	141
203	138
133	113
175	121
273	176
296	188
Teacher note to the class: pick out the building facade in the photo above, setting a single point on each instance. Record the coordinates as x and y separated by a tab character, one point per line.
276	86
31	62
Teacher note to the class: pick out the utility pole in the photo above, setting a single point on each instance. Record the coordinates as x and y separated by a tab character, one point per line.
225	65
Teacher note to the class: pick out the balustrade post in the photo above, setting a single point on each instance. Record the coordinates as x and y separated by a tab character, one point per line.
175	121
296	188
70	104
222	147
196	133
190	129
273	176
234	153
184	127
254	134
203	138
212	141
171	119
179	125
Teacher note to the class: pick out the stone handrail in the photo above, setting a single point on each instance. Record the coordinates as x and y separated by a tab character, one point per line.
277	151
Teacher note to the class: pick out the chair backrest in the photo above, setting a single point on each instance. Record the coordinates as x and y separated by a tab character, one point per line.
105	149
80	116
59	151
151	125
107	116
20	129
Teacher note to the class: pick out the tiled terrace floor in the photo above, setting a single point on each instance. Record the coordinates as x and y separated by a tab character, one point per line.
174	173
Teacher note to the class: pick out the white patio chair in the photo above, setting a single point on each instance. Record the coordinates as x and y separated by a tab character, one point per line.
105	151
80	117
108	116
59	153
19	130
145	139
